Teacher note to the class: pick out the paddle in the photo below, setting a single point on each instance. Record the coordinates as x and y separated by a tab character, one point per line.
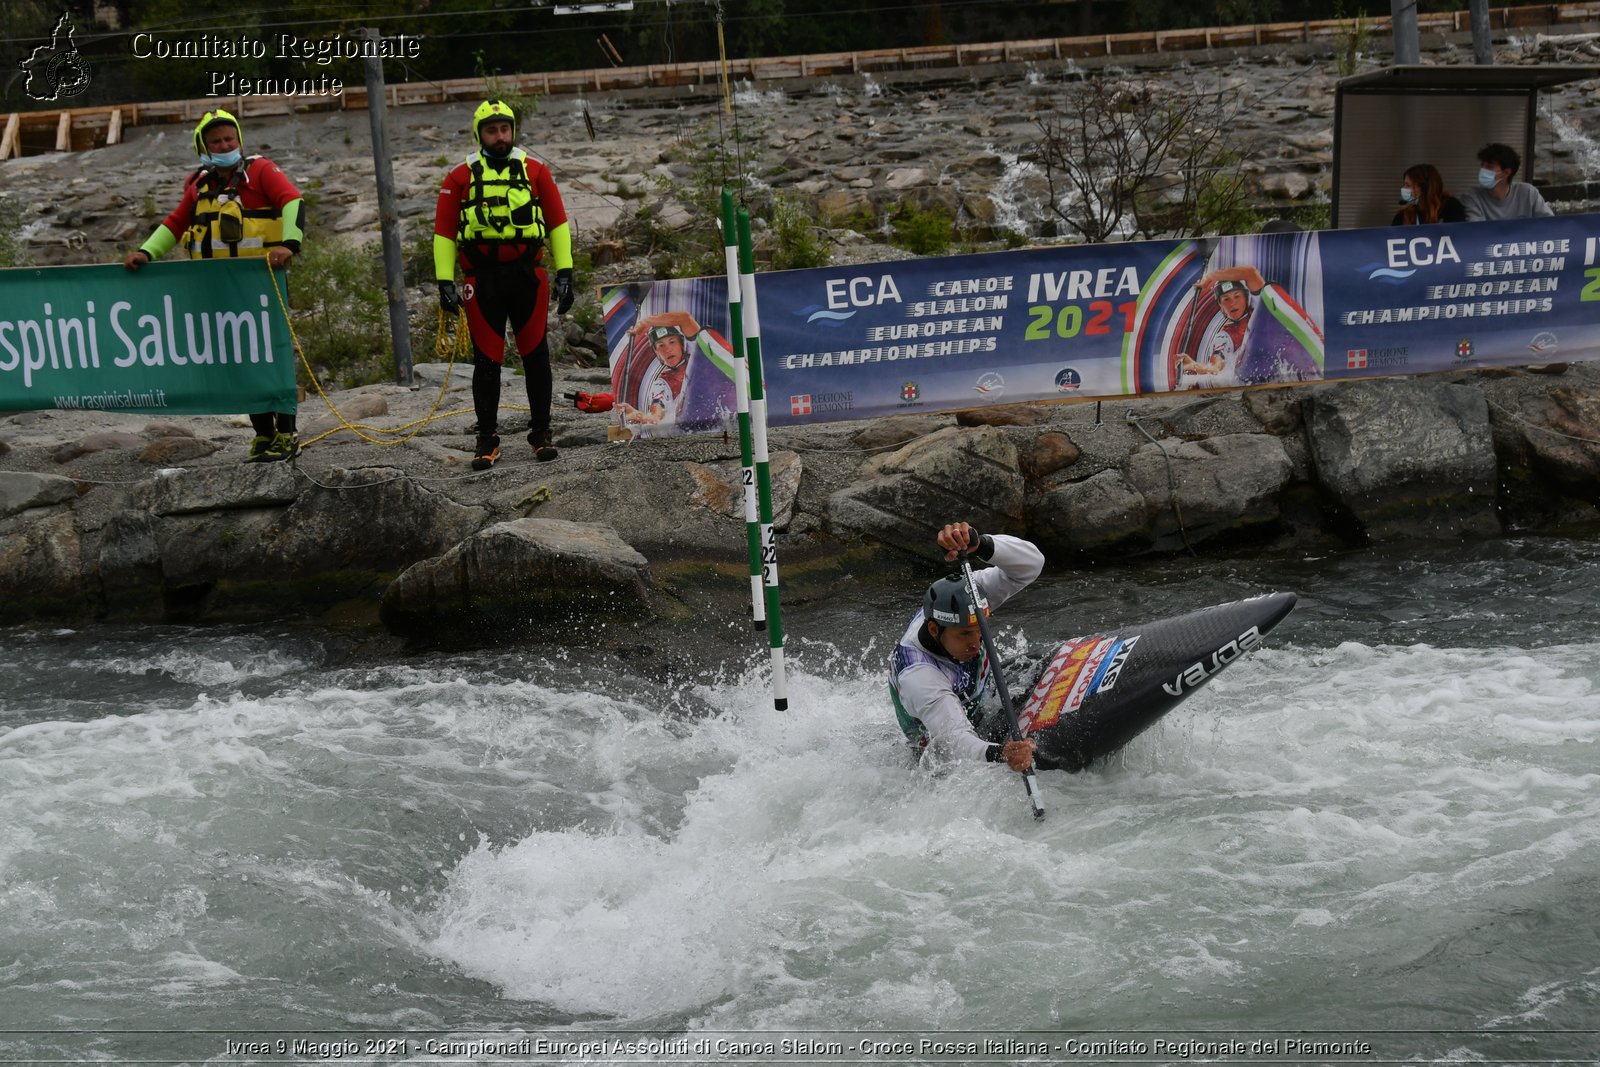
999	680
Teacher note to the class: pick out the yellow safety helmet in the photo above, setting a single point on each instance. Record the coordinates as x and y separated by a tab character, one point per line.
490	110
210	119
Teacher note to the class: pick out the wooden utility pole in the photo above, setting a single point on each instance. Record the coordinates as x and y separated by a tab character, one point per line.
388	215
1482	45
1407	45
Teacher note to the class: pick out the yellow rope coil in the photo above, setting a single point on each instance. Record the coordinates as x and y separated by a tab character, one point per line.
451	344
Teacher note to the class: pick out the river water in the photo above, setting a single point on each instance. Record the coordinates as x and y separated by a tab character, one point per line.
1375	839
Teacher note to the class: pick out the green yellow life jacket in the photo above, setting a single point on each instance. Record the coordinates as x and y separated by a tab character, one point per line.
222	228
501	204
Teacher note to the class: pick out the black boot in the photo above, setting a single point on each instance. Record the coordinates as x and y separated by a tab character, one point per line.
487	453
544	449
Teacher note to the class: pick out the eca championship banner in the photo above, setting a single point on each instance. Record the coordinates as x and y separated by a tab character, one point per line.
188	337
1147	317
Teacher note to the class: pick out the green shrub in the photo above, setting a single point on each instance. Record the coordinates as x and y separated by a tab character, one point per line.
11	254
1313	215
340	313
925	233
1221	204
1350	40
795	241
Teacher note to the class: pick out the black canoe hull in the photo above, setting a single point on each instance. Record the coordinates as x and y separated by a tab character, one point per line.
1097	693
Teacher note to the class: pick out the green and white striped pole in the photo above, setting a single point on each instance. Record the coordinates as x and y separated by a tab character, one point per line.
741	388
758	437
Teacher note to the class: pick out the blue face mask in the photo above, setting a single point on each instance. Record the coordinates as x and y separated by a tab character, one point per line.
224	161
1407	196
1487	178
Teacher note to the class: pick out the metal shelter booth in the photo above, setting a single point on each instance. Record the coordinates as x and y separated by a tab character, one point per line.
1386	120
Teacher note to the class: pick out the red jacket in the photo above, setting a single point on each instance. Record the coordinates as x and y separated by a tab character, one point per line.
262	186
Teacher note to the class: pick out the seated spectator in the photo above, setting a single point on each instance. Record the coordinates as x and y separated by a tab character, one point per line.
1426	199
1497	195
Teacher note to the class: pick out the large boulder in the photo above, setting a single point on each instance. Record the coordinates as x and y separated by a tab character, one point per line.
96	442
253	539
1048	453
519	578
1166	496
41	571
1547	441
1405	459
129	567
236	486
372	520
1554	437
957	473
676	498
720	487
1096	514
1199	491
20	491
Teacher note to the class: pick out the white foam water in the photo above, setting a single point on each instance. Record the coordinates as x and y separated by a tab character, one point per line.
1350	839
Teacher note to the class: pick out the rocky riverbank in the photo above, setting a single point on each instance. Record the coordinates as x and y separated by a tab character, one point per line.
133	518
125	518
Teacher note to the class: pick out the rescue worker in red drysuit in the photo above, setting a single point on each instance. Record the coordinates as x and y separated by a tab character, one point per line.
234	205
499	214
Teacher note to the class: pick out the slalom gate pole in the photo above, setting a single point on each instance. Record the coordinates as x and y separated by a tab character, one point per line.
1028	780
758	438
741	389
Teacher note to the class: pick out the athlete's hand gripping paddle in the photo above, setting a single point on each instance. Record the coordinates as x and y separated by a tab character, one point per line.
1028	779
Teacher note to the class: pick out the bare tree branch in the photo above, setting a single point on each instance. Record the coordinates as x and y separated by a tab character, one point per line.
1125	159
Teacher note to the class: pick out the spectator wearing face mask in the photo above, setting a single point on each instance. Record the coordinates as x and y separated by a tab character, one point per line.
1497	195
1425	199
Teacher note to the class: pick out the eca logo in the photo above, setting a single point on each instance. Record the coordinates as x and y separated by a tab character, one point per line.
861	292
1420	251
1405	254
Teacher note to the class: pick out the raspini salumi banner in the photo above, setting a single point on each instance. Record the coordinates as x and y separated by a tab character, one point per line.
1128	319
190	338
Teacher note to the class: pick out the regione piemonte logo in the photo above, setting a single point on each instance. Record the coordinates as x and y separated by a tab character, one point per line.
800	405
56	70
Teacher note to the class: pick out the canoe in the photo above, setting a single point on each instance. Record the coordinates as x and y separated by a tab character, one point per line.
1095	694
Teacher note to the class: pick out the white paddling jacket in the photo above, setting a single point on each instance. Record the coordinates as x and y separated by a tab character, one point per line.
937	700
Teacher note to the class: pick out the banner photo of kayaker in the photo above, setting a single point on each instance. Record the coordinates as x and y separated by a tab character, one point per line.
189	338
1150	317
1232	326
671	363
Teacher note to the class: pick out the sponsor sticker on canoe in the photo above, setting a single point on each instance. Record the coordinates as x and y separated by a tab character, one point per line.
1065	682
1107	678
1085	680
